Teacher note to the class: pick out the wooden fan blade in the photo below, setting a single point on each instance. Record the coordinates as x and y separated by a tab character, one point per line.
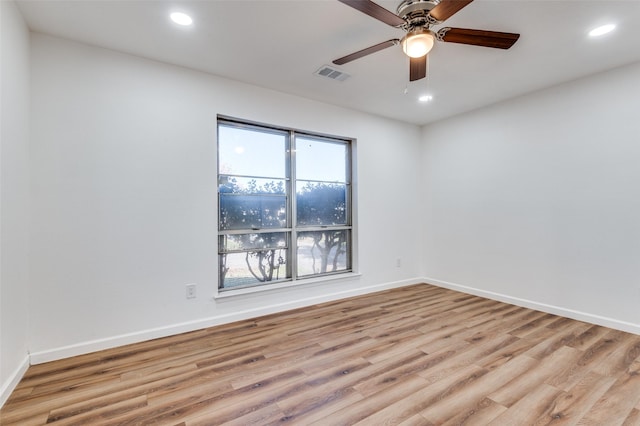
368	51
375	11
478	37
447	8
417	68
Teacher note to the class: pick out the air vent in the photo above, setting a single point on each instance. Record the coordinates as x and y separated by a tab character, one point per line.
332	73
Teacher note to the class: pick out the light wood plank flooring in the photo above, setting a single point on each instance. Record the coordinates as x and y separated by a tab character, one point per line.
418	355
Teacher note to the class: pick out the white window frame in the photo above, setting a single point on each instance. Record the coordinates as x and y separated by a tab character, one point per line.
292	227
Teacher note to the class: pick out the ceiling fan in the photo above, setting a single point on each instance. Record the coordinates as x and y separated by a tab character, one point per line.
416	17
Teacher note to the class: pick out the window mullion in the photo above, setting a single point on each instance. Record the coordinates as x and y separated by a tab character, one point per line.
291	170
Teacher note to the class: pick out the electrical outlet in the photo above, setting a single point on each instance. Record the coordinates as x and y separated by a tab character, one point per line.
398	262
191	291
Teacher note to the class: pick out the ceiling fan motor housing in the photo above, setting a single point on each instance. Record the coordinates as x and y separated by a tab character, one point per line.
416	13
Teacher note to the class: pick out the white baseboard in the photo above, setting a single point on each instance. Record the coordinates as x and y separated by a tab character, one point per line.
551	309
170	330
10	384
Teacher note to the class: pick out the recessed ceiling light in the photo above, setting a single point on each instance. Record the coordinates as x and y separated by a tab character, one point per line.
181	18
425	98
602	30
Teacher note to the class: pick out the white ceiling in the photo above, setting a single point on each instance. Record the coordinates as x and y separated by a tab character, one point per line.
280	44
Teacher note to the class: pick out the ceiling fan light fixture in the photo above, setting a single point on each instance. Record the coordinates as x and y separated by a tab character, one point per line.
418	43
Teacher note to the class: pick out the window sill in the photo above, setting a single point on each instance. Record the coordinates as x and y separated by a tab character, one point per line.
286	284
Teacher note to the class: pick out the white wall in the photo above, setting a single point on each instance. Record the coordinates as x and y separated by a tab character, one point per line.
537	200
14	196
124	197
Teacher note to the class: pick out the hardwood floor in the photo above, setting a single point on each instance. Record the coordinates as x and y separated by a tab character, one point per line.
418	355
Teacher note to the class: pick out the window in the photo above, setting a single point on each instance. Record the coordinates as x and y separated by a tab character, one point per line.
284	200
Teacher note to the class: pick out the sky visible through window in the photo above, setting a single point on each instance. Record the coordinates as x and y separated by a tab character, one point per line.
251	153
320	160
256	153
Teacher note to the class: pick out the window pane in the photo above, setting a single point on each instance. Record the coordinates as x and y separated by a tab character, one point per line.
317	160
321	252
320	203
251	153
262	241
239	211
252	268
239	185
